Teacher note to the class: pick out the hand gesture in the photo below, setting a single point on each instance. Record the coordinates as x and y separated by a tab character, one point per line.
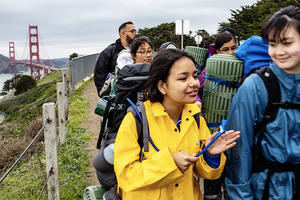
224	142
183	160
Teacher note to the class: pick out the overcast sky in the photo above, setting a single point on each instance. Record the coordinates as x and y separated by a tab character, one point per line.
88	26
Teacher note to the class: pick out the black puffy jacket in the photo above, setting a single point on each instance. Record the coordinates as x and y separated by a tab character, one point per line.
106	63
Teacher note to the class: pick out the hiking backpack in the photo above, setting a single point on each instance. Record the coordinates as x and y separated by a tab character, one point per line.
259	163
128	98
130	80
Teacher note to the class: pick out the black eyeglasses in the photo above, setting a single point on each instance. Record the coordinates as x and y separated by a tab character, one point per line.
227	49
144	53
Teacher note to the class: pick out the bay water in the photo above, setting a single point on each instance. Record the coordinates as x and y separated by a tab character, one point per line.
3	78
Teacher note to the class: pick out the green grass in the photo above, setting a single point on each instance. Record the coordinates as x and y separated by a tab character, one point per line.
26	180
28	105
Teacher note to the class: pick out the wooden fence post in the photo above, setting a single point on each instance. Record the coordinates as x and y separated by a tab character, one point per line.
51	150
61	112
65	94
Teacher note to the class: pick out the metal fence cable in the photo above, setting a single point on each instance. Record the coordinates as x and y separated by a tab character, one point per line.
46	181
16	162
56	102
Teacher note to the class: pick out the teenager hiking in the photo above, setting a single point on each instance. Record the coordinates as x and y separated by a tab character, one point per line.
167	169
128	82
225	43
265	163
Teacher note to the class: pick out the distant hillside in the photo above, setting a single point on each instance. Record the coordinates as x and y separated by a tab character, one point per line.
4	64
57	62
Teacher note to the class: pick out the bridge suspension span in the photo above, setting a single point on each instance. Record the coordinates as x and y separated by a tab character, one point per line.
34	61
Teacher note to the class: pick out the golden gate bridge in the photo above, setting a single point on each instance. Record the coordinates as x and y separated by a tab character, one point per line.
34	61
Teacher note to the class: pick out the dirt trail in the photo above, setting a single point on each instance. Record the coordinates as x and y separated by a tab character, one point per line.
92	123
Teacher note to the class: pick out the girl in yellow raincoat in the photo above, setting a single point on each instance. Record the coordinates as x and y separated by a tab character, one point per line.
173	171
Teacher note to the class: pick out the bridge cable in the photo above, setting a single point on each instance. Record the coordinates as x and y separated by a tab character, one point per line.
44	47
16	162
27	36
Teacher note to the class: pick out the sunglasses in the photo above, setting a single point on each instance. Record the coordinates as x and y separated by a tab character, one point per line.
133	31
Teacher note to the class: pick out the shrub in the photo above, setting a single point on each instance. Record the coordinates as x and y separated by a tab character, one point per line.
25	83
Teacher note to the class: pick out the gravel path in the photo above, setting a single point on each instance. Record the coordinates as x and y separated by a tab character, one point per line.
92	123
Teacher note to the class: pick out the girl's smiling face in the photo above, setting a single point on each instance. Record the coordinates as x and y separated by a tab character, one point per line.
285	51
182	84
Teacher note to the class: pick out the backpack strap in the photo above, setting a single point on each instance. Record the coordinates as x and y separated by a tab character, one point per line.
145	129
141	122
142	135
287	105
197	118
144	123
270	113
274	97
104	122
139	127
218	81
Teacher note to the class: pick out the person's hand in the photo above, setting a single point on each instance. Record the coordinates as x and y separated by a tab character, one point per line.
183	160
224	142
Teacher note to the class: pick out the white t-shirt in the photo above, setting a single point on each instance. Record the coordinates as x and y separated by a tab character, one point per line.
124	58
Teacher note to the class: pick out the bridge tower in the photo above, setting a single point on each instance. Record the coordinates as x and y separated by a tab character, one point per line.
34	50
12	58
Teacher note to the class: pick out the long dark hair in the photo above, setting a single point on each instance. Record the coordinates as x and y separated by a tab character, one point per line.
223	38
284	18
160	69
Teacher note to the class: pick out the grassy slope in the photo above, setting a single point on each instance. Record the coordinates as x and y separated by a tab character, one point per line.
26	180
28	105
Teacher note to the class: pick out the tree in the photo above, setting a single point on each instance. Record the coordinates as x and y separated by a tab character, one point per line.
73	55
25	83
11	83
165	32
6	86
248	20
206	38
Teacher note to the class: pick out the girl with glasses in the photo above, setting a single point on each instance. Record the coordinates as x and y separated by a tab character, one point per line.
225	44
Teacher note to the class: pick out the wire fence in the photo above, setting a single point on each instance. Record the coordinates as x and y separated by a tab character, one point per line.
45	183
19	158
51	140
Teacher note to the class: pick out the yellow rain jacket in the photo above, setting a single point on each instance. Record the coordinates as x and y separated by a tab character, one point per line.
157	177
